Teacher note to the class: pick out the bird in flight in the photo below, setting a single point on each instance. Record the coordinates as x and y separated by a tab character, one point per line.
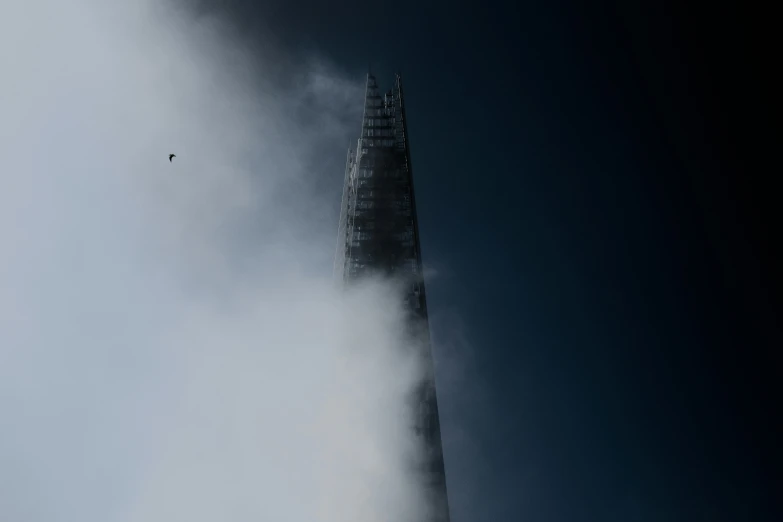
172	156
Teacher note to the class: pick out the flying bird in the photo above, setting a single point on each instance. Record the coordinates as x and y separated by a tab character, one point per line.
172	156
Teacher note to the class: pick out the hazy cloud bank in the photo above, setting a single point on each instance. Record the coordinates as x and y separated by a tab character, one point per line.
171	346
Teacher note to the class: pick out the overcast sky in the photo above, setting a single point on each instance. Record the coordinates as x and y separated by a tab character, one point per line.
171	345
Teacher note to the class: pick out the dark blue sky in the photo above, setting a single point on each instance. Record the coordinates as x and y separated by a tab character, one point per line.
591	180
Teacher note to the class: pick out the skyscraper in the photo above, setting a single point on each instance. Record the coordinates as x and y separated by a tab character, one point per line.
378	233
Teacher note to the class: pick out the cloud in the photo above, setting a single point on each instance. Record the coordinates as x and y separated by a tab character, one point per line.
171	344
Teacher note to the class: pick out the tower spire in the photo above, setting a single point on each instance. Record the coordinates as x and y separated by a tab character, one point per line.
379	234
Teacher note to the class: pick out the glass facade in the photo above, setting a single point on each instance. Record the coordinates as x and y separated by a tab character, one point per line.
378	233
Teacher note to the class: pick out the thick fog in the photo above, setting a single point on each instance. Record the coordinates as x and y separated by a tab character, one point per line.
171	345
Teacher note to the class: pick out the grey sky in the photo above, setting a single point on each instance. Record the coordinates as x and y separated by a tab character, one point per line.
170	343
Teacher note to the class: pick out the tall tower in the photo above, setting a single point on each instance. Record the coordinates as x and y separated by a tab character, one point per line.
378	233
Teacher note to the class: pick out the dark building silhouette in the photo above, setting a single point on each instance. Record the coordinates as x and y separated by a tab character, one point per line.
378	233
